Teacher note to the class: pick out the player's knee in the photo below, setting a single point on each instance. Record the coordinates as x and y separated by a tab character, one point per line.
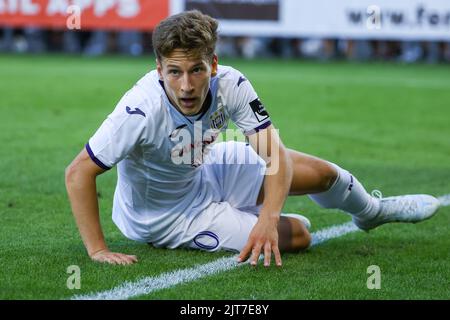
328	176
301	240
293	235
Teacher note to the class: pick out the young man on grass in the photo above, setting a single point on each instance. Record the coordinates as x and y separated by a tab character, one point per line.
178	187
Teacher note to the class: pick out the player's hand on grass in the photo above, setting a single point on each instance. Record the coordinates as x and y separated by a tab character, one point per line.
107	256
263	237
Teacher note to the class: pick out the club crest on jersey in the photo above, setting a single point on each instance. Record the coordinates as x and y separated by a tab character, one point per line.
217	119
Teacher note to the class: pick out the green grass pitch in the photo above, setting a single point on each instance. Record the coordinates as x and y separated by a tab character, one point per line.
387	123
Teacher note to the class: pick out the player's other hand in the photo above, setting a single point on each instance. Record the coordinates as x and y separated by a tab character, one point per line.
107	256
264	237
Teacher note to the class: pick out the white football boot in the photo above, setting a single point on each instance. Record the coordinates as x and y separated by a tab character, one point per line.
297	216
408	208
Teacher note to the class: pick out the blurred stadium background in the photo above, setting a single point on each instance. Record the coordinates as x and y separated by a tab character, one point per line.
399	30
365	84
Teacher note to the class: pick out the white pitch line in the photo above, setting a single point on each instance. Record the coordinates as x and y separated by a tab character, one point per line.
166	280
332	232
444	200
148	285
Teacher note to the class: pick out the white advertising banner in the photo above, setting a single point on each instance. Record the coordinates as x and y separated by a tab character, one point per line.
364	19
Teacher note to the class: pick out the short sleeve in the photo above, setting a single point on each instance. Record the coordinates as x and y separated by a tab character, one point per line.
248	112
124	129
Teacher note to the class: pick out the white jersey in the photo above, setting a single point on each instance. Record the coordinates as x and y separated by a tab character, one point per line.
158	192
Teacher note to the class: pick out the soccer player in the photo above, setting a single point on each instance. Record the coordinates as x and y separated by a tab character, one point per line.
178	187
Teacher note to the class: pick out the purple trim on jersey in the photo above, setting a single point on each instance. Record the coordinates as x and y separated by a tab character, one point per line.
209	234
261	127
94	158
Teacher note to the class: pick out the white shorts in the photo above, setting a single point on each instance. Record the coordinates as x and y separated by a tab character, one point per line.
237	172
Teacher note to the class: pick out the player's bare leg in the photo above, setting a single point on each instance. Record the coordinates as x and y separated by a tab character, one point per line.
310	175
333	187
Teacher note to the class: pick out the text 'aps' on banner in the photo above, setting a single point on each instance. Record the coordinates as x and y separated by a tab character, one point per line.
89	14
361	19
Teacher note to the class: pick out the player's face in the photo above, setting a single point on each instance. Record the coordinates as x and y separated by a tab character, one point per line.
186	79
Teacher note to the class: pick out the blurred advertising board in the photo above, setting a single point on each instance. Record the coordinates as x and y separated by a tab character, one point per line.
368	19
89	14
364	19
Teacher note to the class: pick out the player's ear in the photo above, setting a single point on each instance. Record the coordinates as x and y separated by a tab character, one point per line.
215	63
159	69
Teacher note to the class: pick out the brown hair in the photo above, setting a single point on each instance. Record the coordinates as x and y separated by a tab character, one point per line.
191	31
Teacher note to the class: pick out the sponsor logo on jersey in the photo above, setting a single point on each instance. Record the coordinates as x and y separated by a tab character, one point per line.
191	149
135	111
241	79
259	110
177	130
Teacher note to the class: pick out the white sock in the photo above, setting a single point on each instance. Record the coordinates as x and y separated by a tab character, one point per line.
348	194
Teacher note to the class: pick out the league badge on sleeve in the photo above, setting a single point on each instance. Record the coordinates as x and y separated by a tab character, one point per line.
259	110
